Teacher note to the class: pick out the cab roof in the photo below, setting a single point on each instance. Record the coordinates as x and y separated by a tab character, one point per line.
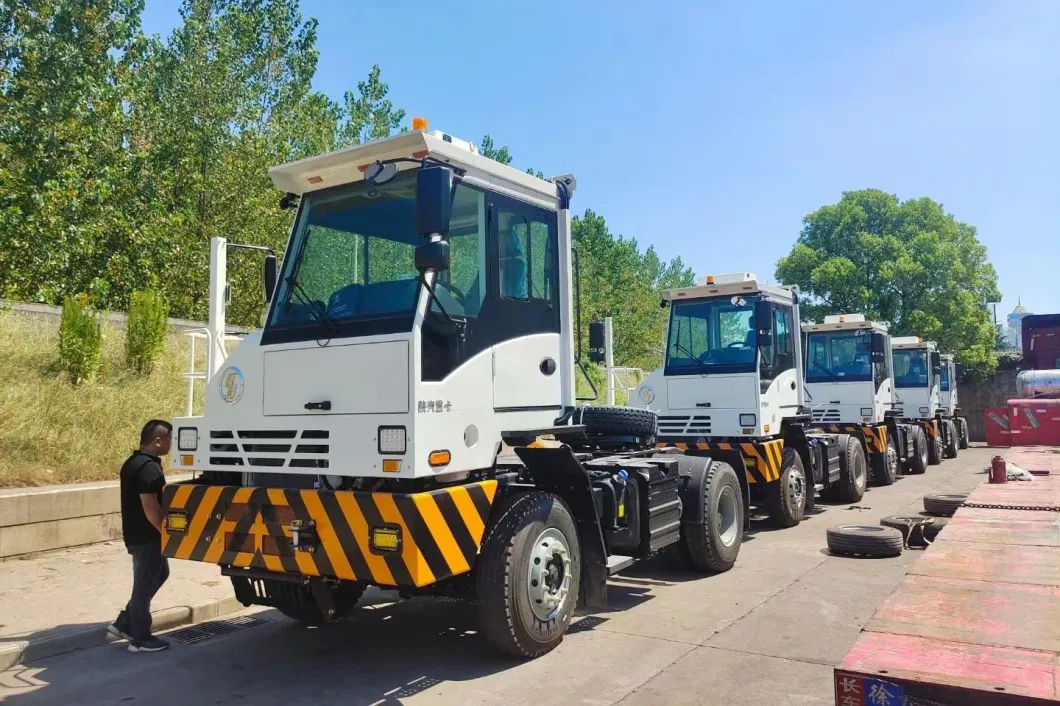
911	342
728	285
348	165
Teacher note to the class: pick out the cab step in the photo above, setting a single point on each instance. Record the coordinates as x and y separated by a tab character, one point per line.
617	562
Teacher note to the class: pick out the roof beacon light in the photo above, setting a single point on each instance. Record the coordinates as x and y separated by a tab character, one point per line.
844	318
419	124
734	278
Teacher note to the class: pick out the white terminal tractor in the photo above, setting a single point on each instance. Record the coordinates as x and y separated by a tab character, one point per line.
851	387
406	417
918	375
731	387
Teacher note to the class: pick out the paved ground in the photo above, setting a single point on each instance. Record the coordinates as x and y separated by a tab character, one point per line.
767	632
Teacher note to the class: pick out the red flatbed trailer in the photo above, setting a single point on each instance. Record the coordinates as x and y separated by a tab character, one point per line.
977	620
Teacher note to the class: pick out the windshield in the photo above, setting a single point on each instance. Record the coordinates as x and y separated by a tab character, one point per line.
353	256
944	378
711	335
910	368
842	356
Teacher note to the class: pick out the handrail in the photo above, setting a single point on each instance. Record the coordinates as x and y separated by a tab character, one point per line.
193	374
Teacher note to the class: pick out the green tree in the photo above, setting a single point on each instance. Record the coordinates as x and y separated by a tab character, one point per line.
909	263
368	114
500	154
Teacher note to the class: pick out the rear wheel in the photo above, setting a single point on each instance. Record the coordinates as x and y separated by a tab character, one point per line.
919	461
786	496
951	439
853	471
934	447
713	545
885	465
962	433
528	575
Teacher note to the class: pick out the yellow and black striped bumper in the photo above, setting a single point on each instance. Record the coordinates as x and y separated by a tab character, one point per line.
431	535
762	461
875	436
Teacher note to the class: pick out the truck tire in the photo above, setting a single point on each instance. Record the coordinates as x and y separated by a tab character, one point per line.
950	451
853	471
962	433
618	421
786	496
528	575
934	447
864	540
296	600
885	465
713	545
943	505
918	463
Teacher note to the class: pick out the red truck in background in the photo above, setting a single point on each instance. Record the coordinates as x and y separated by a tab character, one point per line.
1041	342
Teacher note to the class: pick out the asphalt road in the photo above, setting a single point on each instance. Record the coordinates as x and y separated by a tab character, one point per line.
767	632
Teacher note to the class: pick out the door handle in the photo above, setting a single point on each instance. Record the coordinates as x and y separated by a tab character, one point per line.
324	406
702	404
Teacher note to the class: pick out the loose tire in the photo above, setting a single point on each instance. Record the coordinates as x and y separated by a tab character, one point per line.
885	465
918	463
528	575
917	530
296	601
853	471
962	433
950	450
618	421
943	505
786	496
713	545
864	540
934	447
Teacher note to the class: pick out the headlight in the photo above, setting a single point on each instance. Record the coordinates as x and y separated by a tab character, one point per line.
866	411
187	439
647	394
924	410
391	440
748	420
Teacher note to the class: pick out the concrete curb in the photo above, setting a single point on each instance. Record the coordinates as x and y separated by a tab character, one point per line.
22	651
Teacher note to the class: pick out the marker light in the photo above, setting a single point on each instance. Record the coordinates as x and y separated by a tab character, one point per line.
419	124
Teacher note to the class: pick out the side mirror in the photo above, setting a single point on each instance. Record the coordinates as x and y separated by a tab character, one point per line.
879	357
433	202
597	354
879	343
959	371
433	256
269	275
764	323
936	362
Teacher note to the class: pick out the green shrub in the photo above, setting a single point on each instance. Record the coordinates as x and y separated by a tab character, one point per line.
80	338
145	336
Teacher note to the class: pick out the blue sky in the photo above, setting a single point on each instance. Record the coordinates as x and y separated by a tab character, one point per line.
709	129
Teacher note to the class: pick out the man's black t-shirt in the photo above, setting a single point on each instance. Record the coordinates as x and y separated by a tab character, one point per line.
140	475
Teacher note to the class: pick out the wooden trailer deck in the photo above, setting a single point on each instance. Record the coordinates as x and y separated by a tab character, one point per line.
977	619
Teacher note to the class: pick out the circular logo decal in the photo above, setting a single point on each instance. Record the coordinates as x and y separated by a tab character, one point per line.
231	385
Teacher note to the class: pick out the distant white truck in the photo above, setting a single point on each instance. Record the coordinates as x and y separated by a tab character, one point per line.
850	388
918	380
951	409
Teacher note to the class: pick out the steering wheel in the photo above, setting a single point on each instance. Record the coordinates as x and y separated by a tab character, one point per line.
459	297
735	344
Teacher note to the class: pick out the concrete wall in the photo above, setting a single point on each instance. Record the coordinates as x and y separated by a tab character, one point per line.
116	317
976	397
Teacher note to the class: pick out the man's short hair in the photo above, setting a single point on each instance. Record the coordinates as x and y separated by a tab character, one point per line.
154	429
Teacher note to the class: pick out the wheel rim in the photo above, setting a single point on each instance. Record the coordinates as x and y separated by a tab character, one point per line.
860	473
727	523
548	577
796	489
892	461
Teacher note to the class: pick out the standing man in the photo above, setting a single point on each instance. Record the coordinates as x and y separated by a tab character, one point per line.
141	523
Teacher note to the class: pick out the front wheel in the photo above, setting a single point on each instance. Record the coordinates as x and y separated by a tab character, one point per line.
528	574
962	433
919	461
951	439
935	448
885	465
853	471
786	496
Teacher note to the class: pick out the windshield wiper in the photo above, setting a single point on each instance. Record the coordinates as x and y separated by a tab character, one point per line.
831	375
701	367
320	315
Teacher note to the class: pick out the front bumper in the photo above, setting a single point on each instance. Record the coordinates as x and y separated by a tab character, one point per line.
389	539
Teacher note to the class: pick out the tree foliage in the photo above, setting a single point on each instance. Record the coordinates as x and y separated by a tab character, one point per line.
909	263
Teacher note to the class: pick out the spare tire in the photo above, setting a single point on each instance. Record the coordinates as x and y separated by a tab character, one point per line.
943	505
865	540
617	421
917	530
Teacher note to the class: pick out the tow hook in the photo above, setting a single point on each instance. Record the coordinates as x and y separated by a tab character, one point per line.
303	536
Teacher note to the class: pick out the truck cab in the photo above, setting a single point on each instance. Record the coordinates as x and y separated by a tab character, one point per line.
918	374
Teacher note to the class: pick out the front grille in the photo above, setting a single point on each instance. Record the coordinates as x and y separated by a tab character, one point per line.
239	542
275	448
826	415
681	425
270	514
